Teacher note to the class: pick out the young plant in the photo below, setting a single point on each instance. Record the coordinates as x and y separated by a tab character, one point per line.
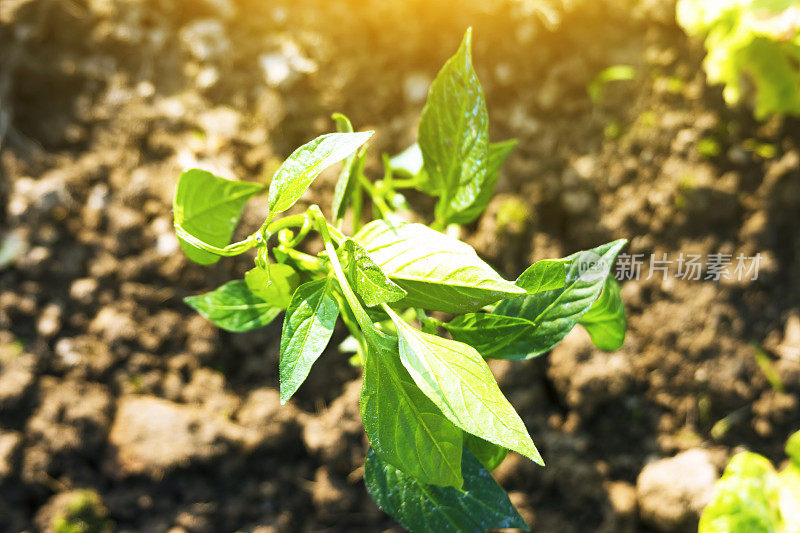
435	417
752	497
750	43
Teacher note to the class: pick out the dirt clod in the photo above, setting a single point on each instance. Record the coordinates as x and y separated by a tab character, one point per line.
672	492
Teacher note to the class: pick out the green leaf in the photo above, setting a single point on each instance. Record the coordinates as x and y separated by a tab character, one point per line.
454	134
479	506
367	278
554	313
498	152
353	166
438	272
499	336
233	307
793	448
208	208
752	497
545	275
753	48
489	454
745	498
407	163
343	124
457	379
494	336
403	426
348	178
605	321
307	329
298	171
275	285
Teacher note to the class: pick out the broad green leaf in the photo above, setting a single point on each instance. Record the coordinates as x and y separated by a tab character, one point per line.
298	171
457	379
545	275
208	208
275	284
480	505
498	152
554	313
489	454
353	165
494	336
234	307
437	271
403	426
307	329
605	321
367	278
506	335
409	164
454	134
745	499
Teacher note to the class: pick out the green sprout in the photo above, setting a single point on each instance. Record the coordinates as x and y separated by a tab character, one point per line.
753	49
752	497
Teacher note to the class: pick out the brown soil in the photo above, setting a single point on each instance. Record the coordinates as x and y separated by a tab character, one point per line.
109	382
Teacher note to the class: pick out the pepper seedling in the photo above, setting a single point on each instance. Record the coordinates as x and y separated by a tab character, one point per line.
436	420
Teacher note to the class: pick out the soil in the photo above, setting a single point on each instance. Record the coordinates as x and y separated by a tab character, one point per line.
109	383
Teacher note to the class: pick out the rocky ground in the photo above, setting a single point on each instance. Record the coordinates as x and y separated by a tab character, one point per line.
120	406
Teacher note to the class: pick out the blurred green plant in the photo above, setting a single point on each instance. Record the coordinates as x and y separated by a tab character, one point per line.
751	44
752	497
84	513
768	369
708	147
512	214
435	417
761	149
606	76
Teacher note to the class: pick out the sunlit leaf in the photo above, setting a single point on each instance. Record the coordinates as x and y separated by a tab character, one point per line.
307	329
234	307
298	171
208	208
437	271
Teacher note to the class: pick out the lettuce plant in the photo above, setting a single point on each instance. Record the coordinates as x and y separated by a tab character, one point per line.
436	420
751	44
752	497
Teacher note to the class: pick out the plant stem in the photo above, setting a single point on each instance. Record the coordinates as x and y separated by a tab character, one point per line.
428	325
305	261
376	198
301	234
231	250
292	221
410	183
357	204
360	314
352	324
